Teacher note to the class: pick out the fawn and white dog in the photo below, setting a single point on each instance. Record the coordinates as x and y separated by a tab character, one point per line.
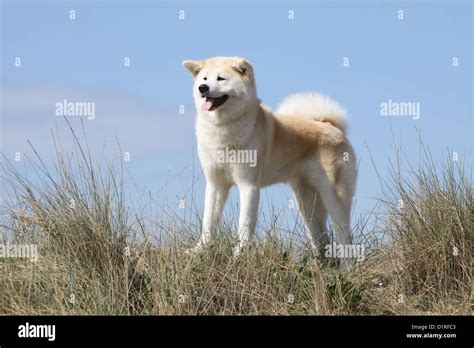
242	142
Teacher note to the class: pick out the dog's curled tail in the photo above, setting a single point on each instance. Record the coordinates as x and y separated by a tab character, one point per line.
315	106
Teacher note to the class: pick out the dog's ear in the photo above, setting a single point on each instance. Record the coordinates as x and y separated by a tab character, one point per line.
193	66
242	66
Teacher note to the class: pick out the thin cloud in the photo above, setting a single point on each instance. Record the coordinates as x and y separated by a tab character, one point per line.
28	113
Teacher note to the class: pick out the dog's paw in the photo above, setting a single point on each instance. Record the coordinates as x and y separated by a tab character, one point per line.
237	251
194	250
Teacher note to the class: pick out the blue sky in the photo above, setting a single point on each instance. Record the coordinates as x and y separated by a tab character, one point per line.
403	60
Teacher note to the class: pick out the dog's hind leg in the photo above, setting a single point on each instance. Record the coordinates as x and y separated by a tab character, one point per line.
338	202
314	213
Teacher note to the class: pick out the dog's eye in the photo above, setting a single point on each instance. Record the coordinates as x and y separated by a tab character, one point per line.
220	78
205	78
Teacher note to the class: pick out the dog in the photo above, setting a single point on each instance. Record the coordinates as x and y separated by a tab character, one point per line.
303	144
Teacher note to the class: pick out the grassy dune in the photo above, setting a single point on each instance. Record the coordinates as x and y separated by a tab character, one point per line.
99	257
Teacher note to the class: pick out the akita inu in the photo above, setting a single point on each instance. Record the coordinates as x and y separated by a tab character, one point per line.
304	144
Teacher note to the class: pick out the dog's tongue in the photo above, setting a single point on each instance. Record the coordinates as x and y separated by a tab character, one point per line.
207	105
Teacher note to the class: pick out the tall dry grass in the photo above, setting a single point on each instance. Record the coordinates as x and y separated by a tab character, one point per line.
97	256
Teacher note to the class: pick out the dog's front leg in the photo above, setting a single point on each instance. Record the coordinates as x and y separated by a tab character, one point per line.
249	199
215	198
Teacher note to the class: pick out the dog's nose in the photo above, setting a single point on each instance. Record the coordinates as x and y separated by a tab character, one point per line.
203	88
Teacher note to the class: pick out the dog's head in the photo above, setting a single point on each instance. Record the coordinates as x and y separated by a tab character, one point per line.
224	87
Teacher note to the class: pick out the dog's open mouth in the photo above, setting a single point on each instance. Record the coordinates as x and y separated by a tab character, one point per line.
213	103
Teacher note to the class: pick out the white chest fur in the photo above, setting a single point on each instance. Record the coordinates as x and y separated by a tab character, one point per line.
214	138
